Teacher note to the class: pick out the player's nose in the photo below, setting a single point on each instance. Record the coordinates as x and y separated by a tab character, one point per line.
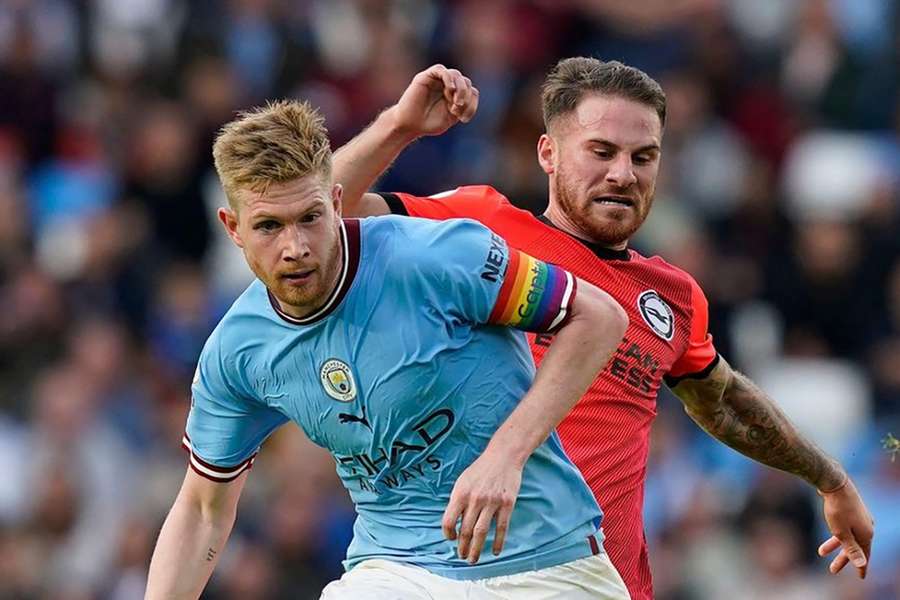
296	244
621	171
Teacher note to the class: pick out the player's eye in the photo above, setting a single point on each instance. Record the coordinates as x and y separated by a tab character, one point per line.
268	225
311	217
602	153
641	159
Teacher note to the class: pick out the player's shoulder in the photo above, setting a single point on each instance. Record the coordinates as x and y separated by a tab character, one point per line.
410	234
484	195
482	202
412	249
666	271
243	326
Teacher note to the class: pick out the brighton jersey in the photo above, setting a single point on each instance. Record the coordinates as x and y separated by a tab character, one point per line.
404	375
607	434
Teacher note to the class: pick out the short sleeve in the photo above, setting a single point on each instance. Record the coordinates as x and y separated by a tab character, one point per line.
473	201
226	425
480	279
700	356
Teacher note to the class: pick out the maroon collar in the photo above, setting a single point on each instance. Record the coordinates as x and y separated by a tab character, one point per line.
350	252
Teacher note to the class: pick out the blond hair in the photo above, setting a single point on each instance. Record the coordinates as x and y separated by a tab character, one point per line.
277	143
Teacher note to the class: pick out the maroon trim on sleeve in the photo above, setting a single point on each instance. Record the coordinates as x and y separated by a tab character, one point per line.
214	472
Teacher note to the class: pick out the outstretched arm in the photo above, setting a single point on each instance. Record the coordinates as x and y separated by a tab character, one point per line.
436	99
736	412
192	537
488	488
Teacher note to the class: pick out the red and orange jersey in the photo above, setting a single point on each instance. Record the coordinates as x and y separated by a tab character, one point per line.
607	433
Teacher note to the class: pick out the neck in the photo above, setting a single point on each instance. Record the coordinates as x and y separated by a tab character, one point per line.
562	222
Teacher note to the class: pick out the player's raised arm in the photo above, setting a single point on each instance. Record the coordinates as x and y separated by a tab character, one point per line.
436	99
192	537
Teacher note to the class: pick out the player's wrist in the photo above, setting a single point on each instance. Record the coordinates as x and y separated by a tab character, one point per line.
510	450
397	129
835	481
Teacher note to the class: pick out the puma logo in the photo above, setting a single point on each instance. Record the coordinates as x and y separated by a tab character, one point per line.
345	418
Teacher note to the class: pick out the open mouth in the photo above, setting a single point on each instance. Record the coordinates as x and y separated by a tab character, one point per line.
298	276
615	201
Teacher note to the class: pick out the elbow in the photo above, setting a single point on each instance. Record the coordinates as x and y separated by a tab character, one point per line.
617	317
614	317
608	315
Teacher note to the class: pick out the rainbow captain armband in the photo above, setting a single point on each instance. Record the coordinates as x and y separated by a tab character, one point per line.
535	296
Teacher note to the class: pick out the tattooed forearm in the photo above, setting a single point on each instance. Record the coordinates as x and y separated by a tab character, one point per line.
733	410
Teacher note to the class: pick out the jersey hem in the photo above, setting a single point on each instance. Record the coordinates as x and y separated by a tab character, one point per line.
582	547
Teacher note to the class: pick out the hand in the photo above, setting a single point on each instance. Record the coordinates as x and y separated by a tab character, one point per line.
852	528
436	99
487	489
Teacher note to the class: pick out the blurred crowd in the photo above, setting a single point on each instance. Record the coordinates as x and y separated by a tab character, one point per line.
779	192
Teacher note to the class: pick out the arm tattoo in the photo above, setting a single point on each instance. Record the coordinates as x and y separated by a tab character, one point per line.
733	410
210	555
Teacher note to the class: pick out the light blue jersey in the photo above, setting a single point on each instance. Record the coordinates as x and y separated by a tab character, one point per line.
404	377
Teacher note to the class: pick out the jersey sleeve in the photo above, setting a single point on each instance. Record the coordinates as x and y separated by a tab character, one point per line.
700	356
474	201
478	278
226	425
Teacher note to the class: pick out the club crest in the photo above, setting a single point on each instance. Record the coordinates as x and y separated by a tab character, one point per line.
337	379
657	314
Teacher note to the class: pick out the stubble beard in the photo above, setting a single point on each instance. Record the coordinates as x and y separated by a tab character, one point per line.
310	297
606	231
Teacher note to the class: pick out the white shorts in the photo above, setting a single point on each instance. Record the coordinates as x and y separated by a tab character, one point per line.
591	578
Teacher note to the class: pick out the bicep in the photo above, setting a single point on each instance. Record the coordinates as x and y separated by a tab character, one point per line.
594	303
533	295
369	205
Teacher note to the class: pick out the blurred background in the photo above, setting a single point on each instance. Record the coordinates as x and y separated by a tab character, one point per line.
779	192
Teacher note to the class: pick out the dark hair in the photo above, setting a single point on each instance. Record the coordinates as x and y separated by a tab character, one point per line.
572	78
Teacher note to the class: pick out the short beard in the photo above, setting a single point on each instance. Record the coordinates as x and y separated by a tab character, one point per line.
311	300
578	212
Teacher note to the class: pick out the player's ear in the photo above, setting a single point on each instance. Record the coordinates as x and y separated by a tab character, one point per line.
229	220
337	193
545	153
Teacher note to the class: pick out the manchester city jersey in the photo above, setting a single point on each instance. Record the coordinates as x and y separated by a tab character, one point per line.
404	375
